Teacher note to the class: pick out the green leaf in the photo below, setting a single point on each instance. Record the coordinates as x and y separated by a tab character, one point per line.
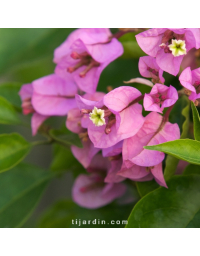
10	91
192	169
146	187
175	207
62	214
181	115
185	149
30	45
132	50
63	160
196	122
8	114
185	127
171	164
66	137
131	47
20	190
13	149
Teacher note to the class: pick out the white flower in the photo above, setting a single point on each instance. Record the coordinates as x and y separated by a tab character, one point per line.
177	47
97	117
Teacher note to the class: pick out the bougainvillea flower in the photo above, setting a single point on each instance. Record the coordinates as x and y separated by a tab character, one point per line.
177	47
84	155
141	173
76	121
37	119
135	172
190	60
155	130
181	167
149	68
169	46
83	34
53	95
190	79
108	167
122	113
113	151
85	54
73	122
194	97
91	191
160	97
112	175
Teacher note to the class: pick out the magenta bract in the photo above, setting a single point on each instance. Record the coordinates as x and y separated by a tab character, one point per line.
85	54
155	42
124	120
160	97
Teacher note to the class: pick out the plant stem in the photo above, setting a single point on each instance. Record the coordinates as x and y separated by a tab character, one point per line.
42	142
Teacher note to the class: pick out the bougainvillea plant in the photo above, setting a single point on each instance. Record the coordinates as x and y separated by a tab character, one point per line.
129	133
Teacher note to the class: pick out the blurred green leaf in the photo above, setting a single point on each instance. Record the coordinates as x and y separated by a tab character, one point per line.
129	37
30	57
171	164
185	126
63	160
192	169
28	72
146	187
180	114
8	115
122	70
185	149
132	50
66	137
196	122
30	44
62	214
131	47
175	207
10	91
20	190
13	149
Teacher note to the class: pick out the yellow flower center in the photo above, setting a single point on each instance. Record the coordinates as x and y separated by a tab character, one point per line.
97	117
177	47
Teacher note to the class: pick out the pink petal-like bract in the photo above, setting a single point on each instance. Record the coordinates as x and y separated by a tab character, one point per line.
53	95
85	53
127	113
155	41
160	97
150	134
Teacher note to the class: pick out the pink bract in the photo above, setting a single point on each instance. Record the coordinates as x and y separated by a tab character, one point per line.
84	155
37	119
85	53
151	133
127	115
190	79
141	173
53	95
149	68
91	191
160	97
151	40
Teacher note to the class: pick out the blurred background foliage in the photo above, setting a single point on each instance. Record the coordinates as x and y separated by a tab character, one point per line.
31	190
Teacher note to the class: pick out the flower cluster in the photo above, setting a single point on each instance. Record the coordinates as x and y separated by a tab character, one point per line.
111	126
